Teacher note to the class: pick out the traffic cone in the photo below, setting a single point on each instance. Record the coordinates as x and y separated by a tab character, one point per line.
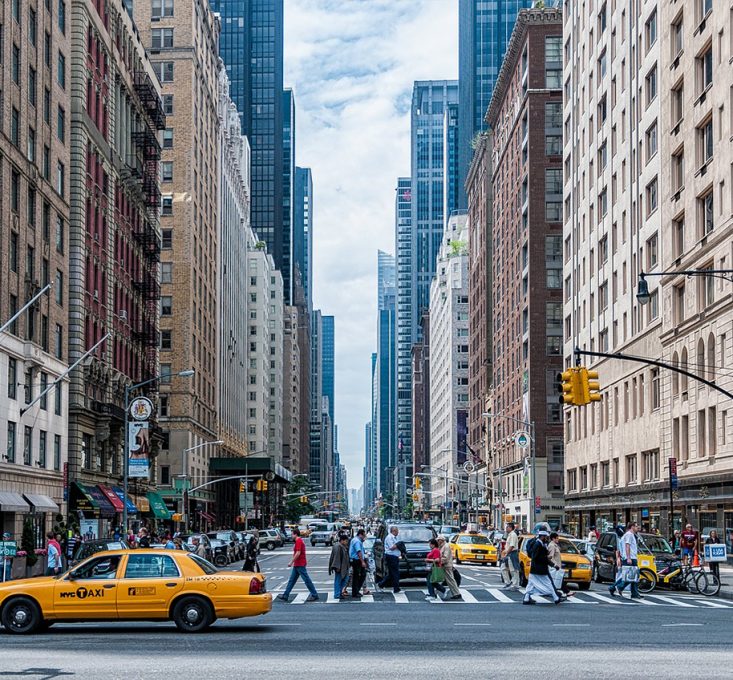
695	559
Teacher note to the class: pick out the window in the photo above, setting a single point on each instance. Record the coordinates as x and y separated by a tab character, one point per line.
651	85
15	127
47	49
678	236
677	37
31	145
706	286
32	26
164	71
605	474
553	194
166	171
32	85
15	191
553	62
651	29
703	8
554	329
15	6
652	252
61	70
57	452
705	213
705	142
15	65
162	8
161	38
652	197
166	305
168	138
59	288
61	124
47	106
12	378
59	234
167	239
553	260
62	16
59	348
165	374
27	444
704	68
60	178
553	128
631	469
42	448
651	465
166	272
10	449
656	389
678	170
651	141
166	207
13	251
572	480
168	104
44	387
678	302
166	340
677	101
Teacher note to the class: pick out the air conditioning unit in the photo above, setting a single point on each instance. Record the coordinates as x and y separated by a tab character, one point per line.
96	238
123	315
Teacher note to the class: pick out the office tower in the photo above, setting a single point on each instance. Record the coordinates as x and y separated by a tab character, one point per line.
484	29
421	406
291	391
695	233
385	377
525	120
316	397
35	157
252	50
288	108
303	232
235	237
328	362
448	372
418	238
187	69
612	230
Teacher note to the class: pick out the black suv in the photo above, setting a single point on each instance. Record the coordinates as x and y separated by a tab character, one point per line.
416	539
604	557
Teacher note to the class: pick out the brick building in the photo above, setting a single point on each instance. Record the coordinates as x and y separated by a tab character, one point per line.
35	91
525	115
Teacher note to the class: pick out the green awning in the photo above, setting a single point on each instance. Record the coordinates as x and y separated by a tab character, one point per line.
158	506
82	499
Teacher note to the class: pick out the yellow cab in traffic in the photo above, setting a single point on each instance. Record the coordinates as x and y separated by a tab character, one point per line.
135	585
577	567
471	546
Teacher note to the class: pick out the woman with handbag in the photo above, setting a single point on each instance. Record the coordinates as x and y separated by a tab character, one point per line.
436	575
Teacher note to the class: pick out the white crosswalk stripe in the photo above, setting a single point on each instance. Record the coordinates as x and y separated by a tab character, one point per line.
468	596
670	600
300	598
400	598
498	595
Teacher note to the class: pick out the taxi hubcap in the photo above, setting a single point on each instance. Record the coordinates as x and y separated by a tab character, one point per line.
20	617
192	615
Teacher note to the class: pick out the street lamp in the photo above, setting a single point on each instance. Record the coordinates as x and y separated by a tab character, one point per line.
187	373
184	478
642	289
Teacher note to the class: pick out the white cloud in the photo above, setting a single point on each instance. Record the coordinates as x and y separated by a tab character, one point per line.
352	64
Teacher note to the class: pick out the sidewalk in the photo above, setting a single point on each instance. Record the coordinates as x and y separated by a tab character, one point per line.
726	582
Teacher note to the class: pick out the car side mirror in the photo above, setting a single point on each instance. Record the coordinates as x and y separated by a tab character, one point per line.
73	575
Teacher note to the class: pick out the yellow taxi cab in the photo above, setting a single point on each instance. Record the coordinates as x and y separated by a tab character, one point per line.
471	546
577	566
135	585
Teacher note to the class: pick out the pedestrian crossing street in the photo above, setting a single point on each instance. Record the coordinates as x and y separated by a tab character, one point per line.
497	596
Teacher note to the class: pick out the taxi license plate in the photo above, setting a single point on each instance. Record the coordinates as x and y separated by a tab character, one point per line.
567	573
479	557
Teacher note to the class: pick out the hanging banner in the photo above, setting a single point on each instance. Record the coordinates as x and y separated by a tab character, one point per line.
139	457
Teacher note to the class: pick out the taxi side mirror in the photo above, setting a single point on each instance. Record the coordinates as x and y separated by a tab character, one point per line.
73	575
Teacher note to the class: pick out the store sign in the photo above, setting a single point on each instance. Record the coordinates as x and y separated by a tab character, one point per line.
8	548
715	552
139	456
673	481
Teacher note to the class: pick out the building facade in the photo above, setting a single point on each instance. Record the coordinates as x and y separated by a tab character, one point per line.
448	388
303	232
612	231
288	208
35	152
484	29
291	436
328	362
525	116
696	232
184	49
316	458
421	412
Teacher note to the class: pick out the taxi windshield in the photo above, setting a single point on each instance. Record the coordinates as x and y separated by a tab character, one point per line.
568	547
477	539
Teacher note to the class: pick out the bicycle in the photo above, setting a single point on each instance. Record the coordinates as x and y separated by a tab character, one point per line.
707	583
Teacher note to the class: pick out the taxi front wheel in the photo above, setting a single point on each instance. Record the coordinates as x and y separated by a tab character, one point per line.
21	616
192	614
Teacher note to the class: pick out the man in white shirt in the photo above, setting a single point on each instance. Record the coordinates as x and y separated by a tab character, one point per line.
392	560
511	557
628	569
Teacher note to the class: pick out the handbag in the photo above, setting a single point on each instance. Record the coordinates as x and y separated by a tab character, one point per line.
437	575
557	577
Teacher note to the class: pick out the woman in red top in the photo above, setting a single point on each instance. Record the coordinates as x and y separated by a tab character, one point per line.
433	559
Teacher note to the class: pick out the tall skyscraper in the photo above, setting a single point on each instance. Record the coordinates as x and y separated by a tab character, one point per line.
484	29
288	191
303	232
328	340
251	46
430	119
316	394
386	378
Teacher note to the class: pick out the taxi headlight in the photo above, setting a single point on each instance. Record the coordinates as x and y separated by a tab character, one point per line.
583	566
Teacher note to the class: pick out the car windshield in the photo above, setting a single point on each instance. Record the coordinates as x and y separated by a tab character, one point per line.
568	547
415	534
477	539
655	543
205	566
224	536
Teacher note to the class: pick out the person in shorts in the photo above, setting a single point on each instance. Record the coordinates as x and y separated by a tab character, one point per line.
689	542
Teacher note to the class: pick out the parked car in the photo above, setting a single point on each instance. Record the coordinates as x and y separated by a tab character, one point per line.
271	539
416	540
654	553
89	548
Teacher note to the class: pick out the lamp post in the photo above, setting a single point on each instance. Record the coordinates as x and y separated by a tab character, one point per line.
125	474
532	476
642	289
184	478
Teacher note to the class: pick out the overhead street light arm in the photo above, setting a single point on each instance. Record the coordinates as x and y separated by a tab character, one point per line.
642	291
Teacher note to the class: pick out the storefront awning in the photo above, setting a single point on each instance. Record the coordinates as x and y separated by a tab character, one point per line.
131	507
82	500
106	509
13	502
41	503
142	502
112	497
158	506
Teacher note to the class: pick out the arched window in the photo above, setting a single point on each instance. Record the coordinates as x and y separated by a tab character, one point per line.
710	372
683	361
675	375
700	368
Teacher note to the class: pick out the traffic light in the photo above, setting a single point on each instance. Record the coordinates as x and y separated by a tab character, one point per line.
261	485
241	486
418	483
590	387
304	500
568	385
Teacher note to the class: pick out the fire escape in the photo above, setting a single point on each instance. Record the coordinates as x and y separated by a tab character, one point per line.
147	233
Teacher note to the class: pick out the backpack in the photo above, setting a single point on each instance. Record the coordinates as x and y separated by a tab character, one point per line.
531	543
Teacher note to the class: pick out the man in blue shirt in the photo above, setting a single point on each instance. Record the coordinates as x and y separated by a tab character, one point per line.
392	559
358	564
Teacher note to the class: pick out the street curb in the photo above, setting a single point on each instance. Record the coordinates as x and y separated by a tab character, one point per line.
726	594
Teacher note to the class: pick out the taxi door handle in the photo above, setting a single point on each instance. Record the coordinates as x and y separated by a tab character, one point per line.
171	585
109	585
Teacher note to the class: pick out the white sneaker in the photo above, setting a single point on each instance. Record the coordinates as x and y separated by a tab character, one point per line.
430	598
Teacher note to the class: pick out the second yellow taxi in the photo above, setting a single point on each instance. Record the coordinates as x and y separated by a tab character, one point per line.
473	547
577	567
134	585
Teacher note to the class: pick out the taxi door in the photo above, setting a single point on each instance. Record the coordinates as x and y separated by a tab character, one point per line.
89	591
149	583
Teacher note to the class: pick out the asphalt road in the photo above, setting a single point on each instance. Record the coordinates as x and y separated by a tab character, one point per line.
486	636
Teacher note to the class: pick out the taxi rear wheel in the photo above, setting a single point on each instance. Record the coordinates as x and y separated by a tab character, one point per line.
21	616
192	614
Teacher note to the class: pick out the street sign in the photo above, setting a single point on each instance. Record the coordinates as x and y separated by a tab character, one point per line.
537	505
141	408
673	481
8	548
521	439
468	467
715	552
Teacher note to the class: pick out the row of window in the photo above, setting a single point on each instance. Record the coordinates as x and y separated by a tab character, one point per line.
29	387
12	454
607	474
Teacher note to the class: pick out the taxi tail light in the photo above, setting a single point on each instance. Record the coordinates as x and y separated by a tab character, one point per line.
256	587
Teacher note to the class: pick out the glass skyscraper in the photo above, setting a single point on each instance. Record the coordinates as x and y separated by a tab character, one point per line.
386	366
303	231
251	46
484	29
328	347
288	191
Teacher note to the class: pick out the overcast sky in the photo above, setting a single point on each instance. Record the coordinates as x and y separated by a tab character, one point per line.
352	64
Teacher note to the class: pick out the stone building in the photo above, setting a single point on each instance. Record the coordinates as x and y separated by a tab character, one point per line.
291	436
35	151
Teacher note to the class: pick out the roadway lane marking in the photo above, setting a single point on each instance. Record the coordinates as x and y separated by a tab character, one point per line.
300	598
679	625
498	595
707	603
369	599
267	625
467	597
571	625
377	624
330	599
472	624
401	598
671	600
603	598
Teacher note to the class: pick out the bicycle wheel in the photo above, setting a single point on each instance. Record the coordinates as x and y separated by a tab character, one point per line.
691	582
647	581
710	586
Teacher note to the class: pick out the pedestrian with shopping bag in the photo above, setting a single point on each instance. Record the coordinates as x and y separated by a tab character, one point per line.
446	561
628	569
436	575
